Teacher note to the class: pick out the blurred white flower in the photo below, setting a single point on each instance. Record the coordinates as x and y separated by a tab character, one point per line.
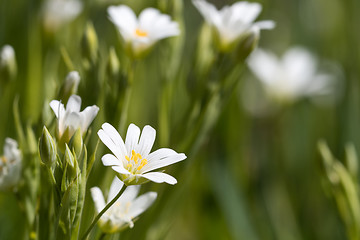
71	119
59	12
133	160
233	22
10	165
294	76
8	66
121	214
142	33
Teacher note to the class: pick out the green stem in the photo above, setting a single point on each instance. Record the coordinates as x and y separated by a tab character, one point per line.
126	103
102	212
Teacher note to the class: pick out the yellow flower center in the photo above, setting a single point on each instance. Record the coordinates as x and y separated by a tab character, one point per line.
135	163
3	159
140	33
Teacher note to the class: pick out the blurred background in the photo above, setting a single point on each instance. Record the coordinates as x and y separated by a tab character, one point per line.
253	176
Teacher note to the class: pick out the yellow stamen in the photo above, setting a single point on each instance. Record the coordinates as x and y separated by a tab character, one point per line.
129	165
127	158
140	33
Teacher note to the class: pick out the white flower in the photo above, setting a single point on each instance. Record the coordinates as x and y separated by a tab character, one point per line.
294	76
143	32
232	22
133	160
71	119
10	165
59	12
125	209
7	55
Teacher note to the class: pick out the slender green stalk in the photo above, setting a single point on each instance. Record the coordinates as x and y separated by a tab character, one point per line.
102	212
126	103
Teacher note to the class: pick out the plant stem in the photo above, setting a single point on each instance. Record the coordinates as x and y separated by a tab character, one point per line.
126	103
102	212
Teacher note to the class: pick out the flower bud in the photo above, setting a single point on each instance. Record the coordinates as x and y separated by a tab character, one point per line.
76	143
89	44
113	64
47	148
70	85
8	67
247	44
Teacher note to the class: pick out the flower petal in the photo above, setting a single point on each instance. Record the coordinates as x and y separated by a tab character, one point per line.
57	107
115	188
105	138
73	104
129	194
147	140
110	160
140	204
98	198
120	169
125	19
88	115
161	158
132	137
160	177
115	137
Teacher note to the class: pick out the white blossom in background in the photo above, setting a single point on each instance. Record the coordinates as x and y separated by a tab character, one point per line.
132	160
142	33
10	165
7	54
121	214
71	119
60	12
233	22
293	76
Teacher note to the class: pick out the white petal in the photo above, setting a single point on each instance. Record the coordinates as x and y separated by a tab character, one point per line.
125	19
142	203
88	115
57	107
268	24
115	137
250	11
147	18
161	158
147	140
120	169
110	160
73	104
160	177
208	11
265	65
132	137
130	194
105	138
98	198
115	188
73	121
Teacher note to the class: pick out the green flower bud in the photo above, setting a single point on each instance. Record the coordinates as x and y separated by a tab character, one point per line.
89	44
76	143
247	44
70	86
47	148
8	67
113	64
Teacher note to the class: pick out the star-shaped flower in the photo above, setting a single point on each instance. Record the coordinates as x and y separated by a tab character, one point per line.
121	214
293	76
132	160
142	33
71	119
232	22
